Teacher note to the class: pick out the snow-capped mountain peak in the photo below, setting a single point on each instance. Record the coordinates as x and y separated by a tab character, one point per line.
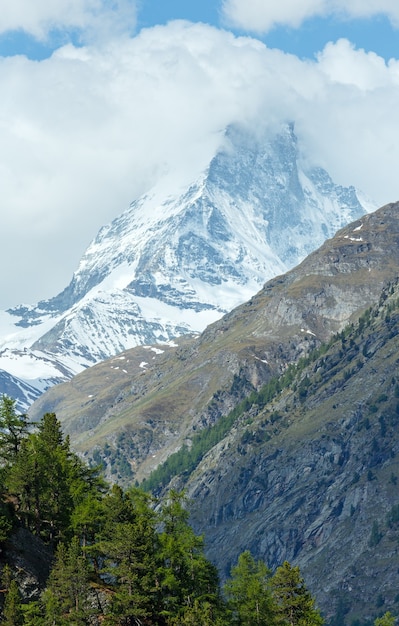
180	257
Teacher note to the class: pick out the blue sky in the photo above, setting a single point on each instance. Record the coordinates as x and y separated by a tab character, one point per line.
375	33
101	99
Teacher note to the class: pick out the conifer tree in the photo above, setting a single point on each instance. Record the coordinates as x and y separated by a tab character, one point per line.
248	592
67	597
12	610
49	481
186	575
33	613
128	546
87	517
294	604
13	429
5	525
200	614
386	620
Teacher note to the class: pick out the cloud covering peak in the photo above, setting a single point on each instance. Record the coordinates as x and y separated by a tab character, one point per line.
86	131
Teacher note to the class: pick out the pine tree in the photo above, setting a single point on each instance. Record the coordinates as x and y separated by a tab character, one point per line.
49	481
186	576
33	614
38	478
12	610
22	481
67	597
294	604
5	525
127	545
200	614
13	429
248	592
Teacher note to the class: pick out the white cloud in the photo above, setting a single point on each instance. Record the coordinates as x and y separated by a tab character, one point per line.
350	124
342	63
87	130
259	16
91	18
369	8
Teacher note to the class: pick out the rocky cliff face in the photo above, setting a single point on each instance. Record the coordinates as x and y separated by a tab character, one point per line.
312	476
181	257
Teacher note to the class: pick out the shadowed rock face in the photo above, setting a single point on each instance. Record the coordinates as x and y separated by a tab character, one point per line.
30	561
313	479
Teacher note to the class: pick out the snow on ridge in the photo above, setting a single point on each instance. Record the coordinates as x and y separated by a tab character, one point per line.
353	238
17	337
32	368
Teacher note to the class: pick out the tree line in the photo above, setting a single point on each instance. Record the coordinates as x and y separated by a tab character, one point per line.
122	557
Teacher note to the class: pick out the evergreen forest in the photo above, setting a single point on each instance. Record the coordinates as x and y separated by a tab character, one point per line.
121	557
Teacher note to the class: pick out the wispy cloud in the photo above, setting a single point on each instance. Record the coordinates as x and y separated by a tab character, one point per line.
90	19
258	16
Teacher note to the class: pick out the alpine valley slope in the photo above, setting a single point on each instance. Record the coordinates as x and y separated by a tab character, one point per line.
311	476
179	258
141	405
308	474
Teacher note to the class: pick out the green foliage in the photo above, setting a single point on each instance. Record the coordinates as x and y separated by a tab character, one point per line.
255	597
33	614
12	612
248	592
200	614
13	429
67	597
6	521
186	575
12	609
121	558
5	527
294	605
48	481
128	546
386	620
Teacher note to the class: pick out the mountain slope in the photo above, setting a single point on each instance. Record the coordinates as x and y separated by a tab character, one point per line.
181	257
312	476
169	392
307	473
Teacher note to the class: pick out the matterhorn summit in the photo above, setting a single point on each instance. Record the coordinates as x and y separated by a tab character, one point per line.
178	259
